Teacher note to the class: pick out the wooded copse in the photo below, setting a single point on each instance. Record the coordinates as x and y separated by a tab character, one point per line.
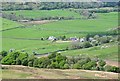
56	61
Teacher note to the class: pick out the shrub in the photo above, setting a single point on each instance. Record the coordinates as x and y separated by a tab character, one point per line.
44	62
104	39
30	63
54	65
76	66
112	69
66	66
53	55
25	62
101	63
36	63
10	58
89	65
86	44
61	64
3	53
60	58
84	61
18	61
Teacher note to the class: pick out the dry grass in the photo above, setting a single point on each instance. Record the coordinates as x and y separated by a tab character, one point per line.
36	73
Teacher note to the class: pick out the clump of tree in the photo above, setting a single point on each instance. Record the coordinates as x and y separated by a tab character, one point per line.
56	61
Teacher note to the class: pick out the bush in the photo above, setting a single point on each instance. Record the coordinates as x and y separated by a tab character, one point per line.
44	62
89	65
84	61
104	39
60	58
36	63
86	44
18	61
10	58
76	66
61	64
30	63
54	65
3	53
66	66
112	69
53	55
25	62
101	63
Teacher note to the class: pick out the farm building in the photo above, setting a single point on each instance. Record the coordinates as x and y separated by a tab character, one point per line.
82	39
74	38
23	20
52	38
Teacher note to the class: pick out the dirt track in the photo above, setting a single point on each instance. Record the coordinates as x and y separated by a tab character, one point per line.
113	63
40	22
37	73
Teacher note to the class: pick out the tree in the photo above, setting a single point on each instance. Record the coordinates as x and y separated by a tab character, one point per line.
36	63
25	62
61	64
44	62
101	63
55	65
3	53
31	59
112	69
63	37
77	66
66	66
86	44
51	56
60	58
10	58
89	65
18	61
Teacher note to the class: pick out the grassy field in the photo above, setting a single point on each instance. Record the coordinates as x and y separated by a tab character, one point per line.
70	28
21	72
7	24
66	27
45	13
105	53
33	45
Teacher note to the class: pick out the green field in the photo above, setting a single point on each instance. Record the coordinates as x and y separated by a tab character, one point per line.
7	24
69	28
106	53
45	13
33	45
16	38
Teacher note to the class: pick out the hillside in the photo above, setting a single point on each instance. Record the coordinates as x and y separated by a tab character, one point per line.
22	72
8	24
44	13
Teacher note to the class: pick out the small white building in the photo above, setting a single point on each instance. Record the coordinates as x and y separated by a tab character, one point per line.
82	39
91	39
51	38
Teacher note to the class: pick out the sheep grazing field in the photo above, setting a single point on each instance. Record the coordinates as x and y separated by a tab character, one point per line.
66	32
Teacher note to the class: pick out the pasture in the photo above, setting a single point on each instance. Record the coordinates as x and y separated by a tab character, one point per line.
19	38
7	24
45	13
102	53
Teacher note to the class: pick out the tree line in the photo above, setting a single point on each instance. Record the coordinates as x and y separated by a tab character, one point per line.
55	61
54	5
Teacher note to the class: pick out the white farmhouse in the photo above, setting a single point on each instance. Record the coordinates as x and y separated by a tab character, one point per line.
51	38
